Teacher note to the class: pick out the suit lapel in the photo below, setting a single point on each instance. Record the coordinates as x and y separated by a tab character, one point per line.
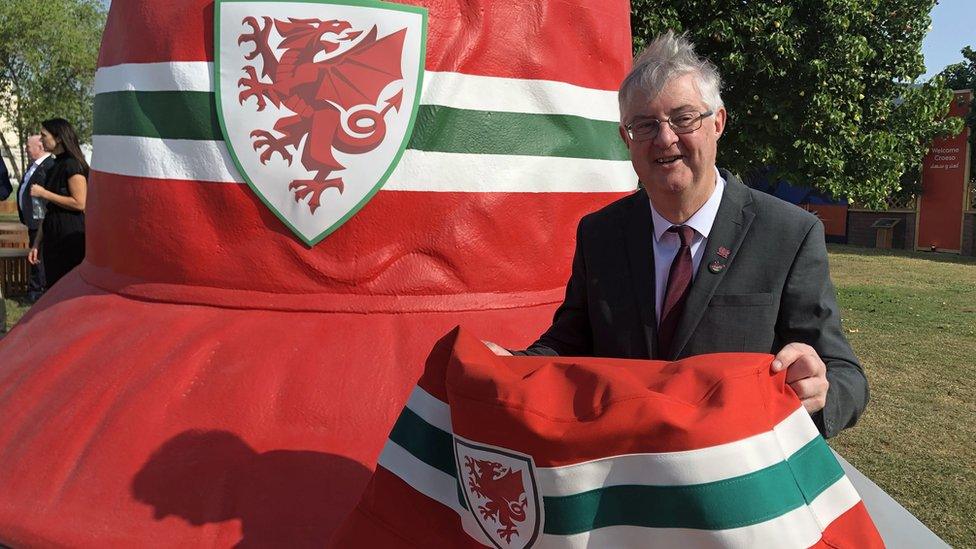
735	214
640	251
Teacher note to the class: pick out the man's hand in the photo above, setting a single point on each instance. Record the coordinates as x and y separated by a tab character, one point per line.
497	349
806	374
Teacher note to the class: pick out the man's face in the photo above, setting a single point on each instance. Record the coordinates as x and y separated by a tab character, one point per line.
675	163
34	148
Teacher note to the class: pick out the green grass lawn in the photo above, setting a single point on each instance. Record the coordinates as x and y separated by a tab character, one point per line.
15	309
912	320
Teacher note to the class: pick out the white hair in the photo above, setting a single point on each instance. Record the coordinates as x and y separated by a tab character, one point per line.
667	57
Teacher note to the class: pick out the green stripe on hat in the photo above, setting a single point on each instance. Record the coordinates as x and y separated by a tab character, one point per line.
193	115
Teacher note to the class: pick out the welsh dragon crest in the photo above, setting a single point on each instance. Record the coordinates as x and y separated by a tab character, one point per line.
503	491
316	101
501	494
320	92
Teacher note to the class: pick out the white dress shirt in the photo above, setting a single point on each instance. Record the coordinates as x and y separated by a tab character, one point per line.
30	171
666	244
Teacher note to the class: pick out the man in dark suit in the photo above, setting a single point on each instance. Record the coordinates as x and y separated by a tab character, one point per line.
5	187
696	262
35	174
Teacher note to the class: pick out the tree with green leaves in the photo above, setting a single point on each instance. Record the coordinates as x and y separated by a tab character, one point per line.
962	76
819	91
48	54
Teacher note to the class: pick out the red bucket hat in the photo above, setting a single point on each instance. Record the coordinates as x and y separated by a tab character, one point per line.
209	376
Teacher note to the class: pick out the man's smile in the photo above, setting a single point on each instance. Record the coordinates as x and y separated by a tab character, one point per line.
668	159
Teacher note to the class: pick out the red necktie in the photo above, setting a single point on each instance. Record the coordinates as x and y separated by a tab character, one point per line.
679	282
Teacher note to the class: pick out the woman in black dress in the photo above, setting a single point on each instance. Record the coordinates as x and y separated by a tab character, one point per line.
65	190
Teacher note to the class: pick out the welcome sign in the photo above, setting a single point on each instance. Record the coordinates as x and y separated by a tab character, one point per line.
945	173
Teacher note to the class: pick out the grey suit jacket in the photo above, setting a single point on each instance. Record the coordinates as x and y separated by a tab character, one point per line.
773	288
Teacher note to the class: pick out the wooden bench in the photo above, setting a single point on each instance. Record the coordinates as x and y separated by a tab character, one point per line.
13	240
14	271
12	227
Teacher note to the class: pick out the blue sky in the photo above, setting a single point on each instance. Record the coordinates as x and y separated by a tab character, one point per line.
953	26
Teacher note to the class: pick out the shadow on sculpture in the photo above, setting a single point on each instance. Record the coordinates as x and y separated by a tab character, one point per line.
284	498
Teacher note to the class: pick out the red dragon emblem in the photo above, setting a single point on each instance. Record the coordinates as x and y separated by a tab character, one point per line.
504	491
334	97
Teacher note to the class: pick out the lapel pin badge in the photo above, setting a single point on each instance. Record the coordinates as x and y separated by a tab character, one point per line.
724	252
716	266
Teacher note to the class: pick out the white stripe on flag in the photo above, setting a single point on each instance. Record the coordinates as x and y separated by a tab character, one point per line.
418	170
490	93
795	431
164	158
429	481
196	76
678	468
834	501
431	409
449	89
499	173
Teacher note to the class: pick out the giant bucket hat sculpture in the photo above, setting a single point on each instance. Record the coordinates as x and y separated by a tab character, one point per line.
213	374
712	451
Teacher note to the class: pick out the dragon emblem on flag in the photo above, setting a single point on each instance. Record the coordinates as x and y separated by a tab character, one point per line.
318	92
503	492
500	490
316	101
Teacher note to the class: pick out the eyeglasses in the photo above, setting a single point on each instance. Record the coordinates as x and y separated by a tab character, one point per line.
646	129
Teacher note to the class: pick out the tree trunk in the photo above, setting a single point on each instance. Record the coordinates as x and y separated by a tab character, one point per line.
13	165
21	134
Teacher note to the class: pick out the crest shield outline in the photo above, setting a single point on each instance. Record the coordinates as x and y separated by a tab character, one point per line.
501	493
316	101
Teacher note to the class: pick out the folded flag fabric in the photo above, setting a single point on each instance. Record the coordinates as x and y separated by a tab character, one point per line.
515	452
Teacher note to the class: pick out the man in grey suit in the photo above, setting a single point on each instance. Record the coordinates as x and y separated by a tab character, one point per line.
696	262
36	173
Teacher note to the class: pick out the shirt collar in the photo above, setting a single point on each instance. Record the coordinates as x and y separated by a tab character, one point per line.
702	220
41	159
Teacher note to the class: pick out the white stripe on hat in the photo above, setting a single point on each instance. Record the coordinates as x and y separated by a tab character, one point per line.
450	89
424	171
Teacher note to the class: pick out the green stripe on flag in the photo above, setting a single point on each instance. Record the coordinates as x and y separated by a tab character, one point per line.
815	468
193	115
446	129
460	495
730	503
160	114
426	442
